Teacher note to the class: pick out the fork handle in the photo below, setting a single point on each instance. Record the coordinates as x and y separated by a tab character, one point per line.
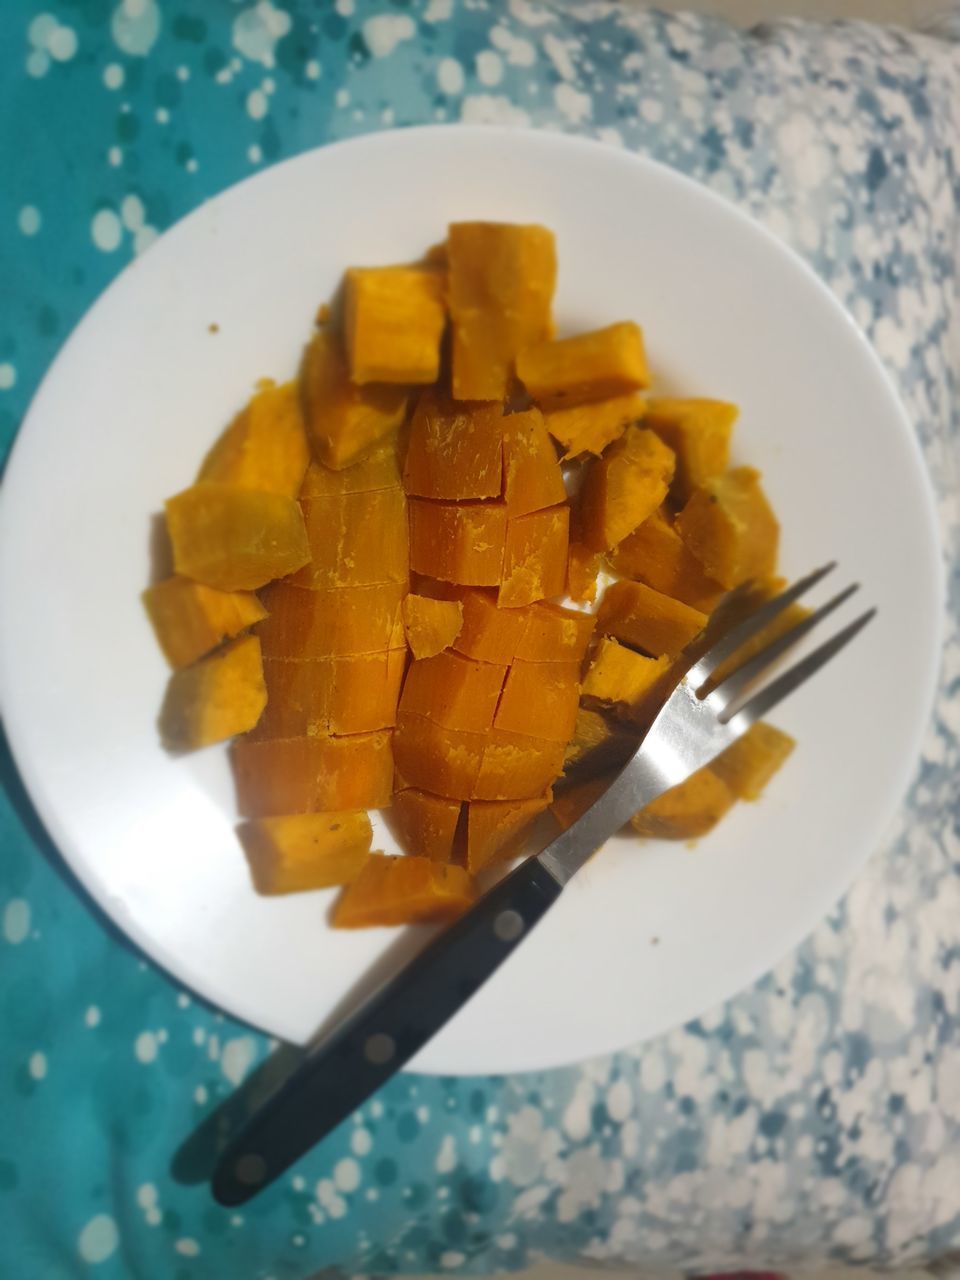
384	1033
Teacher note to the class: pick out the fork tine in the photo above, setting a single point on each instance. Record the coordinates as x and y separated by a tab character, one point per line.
768	697
733	685
730	642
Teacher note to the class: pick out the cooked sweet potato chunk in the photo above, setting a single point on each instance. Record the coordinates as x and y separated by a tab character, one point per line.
501	283
235	539
532	478
698	432
496	829
592	366
325	624
640	616
589	428
489	633
393	891
555	634
598	744
455	449
583	569
356	539
535	557
458	543
657	555
454	691
190	619
379	469
305	850
688	810
219	696
265	447
622	678
748	764
783	622
624	487
540	699
443	761
516	766
425	824
431	625
729	526
338	695
394	320
310	775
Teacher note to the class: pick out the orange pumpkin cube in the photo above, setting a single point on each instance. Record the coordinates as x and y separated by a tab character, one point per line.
489	633
379	469
190	619
455	450
431	625
501	284
592	366
343	421
458	543
598	744
583	569
648	620
624	487
532	478
589	428
516	766
688	810
540	699
496	829
303	851
395	891
454	691
621	677
750	762
218	697
326	624
729	526
555	634
535	557
425	824
445	762
356	540
310	775
657	555
235	539
265	447
698	432
322	696
394	320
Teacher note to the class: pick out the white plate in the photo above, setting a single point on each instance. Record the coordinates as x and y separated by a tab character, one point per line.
649	935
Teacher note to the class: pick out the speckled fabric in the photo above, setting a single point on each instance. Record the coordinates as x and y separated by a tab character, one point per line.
816	1116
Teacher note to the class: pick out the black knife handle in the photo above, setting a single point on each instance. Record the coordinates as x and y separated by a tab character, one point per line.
361	1054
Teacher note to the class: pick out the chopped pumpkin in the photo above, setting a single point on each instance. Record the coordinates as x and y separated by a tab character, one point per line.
750	762
356	539
698	432
592	366
454	691
235	539
431	625
496	829
325	624
190	619
302	851
455	449
312	774
432	758
458	543
265	446
516	766
219	696
394	891
554	634
426	824
729	526
785	620
501	283
624	487
489	633
532	478
535	557
583	569
589	428
540	699
657	555
688	810
336	695
394	320
647	619
597	744
379	469
619	676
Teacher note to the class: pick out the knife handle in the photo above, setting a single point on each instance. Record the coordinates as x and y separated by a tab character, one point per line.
385	1032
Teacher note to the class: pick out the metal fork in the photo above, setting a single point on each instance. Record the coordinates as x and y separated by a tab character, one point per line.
696	722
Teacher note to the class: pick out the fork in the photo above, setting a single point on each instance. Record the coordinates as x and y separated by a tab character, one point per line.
696	722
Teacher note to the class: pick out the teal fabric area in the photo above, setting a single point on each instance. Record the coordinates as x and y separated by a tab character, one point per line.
817	1116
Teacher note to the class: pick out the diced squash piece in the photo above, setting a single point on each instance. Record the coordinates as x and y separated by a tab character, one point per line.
458	543
356	540
219	696
326	624
496	829
394	891
322	696
540	699
306	850
445	762
535	557
647	619
573	802
379	469
657	555
555	634
310	775
532	478
455	449
592	366
624	487
265	447
783	622
516	766
583	568
394	320
597	744
750	762
729	526
698	432
431	625
621	677
589	428
343	421
190	619
235	539
489	633
454	691
688	810
425	824
501	283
